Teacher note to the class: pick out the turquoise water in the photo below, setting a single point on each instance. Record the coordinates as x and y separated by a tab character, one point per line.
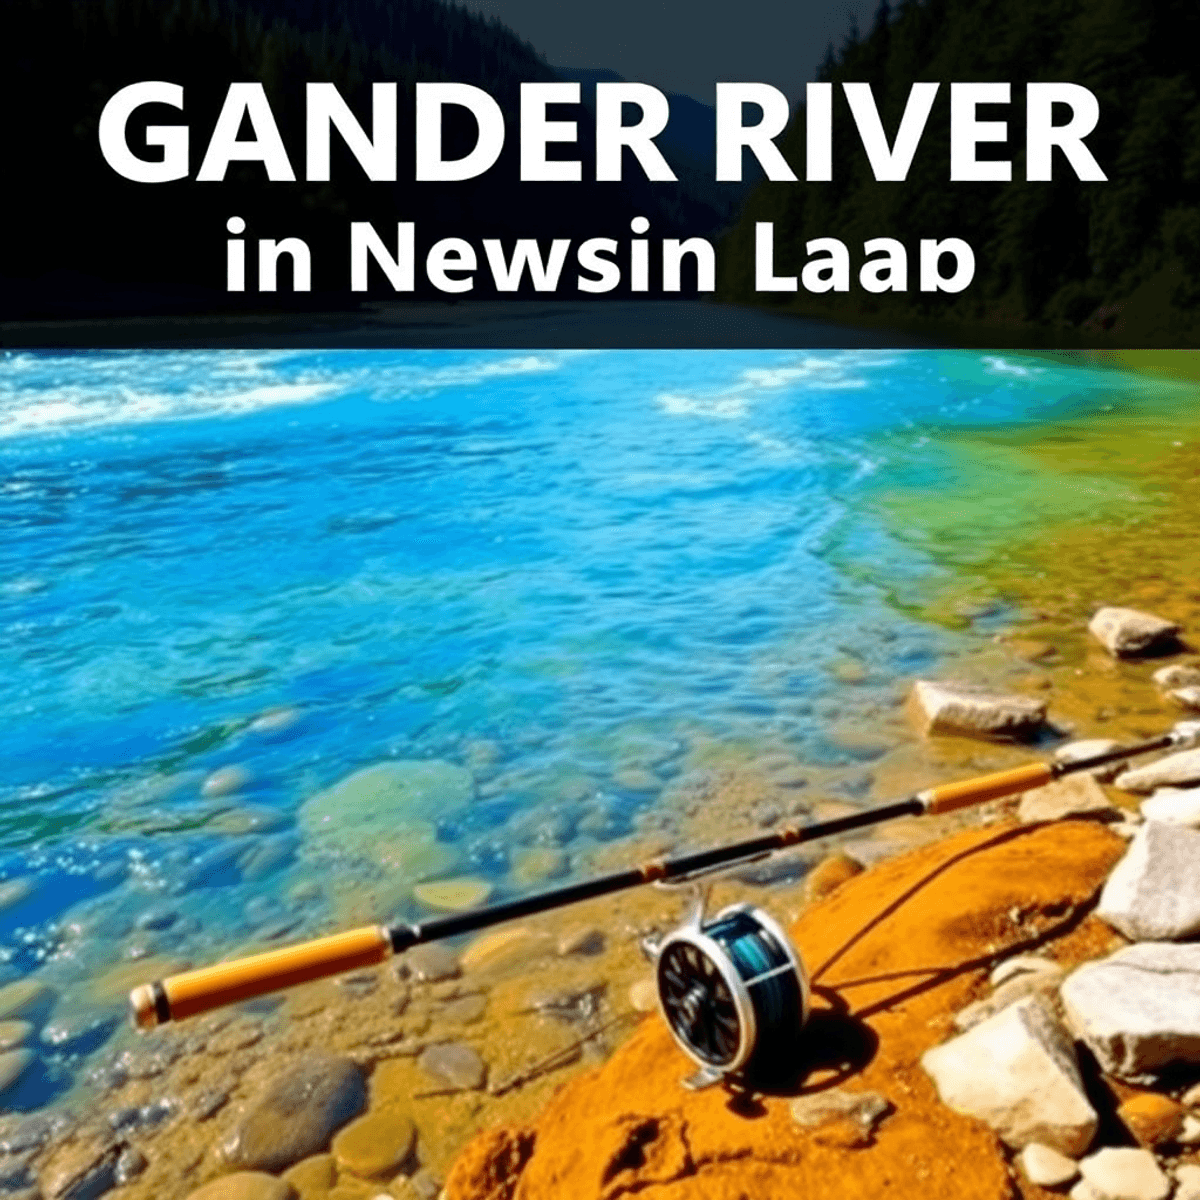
555	571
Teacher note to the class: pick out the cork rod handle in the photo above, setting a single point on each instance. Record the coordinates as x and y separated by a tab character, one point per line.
951	796
193	992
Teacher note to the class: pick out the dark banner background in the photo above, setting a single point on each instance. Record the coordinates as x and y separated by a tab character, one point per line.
1114	263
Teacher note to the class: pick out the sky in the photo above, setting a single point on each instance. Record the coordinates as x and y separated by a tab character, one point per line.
685	45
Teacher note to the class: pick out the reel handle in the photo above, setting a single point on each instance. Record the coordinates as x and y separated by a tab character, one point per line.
193	992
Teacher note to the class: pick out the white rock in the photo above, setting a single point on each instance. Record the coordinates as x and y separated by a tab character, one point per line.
1074	796
1139	1009
1174	806
1153	893
1187	1182
1191	1098
1176	770
1125	632
1014	989
1189	1135
1046	1167
1084	1191
1177	675
1022	964
1018	1073
1121	1173
970	711
1187	697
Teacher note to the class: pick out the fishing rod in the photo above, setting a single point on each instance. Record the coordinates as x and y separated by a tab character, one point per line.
732	989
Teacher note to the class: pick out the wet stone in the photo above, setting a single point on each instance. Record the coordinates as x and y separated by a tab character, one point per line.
466	1010
208	1103
588	939
453	895
431	963
239	1035
130	1164
375	1146
225	781
424	1185
34	1132
14	892
24	997
297	1114
16	1174
156	918
82	1172
79	1032
538	864
14	1064
454	1065
245	1185
14	1033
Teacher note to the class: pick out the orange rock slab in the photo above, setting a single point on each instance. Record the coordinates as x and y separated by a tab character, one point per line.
893	953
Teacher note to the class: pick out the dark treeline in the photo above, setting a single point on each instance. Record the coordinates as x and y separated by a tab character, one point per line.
83	240
1054	257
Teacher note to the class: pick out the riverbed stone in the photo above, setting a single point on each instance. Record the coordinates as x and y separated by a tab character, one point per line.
967	710
24	997
1174	806
1123	1173
583	939
245	1185
537	864
14	1064
14	892
1047	1168
1127	632
454	1065
14	1033
1177	675
431	963
501	949
1139	1009
1181	769
1023	964
376	1145
82	1170
1017	1072
297	1114
1153	893
1073	796
385	813
453	895
829	875
225	781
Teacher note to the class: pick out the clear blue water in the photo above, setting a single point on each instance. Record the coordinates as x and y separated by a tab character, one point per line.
545	567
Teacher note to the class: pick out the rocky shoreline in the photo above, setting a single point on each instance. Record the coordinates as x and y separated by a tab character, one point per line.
372	1085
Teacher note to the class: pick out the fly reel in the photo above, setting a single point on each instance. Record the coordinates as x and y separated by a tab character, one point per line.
733	993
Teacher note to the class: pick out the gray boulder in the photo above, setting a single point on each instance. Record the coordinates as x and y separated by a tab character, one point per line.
1018	1073
1139	1009
1153	893
1126	632
970	711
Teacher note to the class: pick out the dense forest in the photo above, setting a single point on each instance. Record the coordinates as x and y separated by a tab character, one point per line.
82	240
1054	259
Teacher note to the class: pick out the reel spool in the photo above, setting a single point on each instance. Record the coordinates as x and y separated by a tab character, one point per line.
733	993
